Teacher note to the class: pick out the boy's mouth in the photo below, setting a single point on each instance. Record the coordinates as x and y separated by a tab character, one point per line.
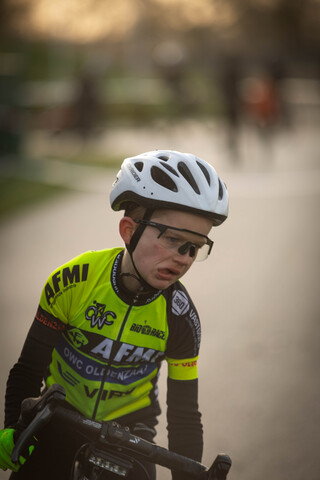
168	272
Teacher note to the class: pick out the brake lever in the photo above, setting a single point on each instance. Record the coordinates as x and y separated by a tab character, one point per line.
220	468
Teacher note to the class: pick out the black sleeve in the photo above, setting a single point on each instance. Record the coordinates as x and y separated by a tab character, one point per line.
184	324
26	377
184	421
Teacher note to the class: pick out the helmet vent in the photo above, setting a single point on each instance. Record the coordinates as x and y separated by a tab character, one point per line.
139	166
220	190
185	172
164	157
204	171
163	179
168	167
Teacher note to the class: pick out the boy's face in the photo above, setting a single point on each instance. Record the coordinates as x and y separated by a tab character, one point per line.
156	258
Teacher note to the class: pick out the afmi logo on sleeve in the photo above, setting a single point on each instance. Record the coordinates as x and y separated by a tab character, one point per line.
180	303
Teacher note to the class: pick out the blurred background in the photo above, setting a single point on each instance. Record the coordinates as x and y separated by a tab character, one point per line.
84	84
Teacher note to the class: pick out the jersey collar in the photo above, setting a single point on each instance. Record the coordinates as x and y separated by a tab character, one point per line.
123	293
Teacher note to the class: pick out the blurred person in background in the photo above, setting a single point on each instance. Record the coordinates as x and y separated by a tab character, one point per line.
229	87
85	110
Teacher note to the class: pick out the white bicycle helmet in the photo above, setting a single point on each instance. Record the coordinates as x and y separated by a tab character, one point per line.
170	179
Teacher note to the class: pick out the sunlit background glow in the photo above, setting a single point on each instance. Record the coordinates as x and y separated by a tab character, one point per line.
85	83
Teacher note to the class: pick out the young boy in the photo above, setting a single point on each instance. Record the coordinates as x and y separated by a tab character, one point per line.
107	319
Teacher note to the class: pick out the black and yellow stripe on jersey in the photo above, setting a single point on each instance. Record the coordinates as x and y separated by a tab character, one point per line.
111	345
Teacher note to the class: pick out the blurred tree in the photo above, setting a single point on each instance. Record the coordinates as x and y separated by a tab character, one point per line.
11	68
282	24
10	11
247	24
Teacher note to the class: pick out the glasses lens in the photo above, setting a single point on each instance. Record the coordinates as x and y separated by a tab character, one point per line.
184	242
203	253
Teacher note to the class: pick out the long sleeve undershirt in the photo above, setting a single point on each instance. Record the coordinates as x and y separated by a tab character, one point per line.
184	421
27	375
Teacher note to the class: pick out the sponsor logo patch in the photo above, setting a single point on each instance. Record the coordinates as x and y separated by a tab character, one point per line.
106	394
67	376
97	315
134	173
93	370
77	338
65	279
184	364
180	303
147	330
49	322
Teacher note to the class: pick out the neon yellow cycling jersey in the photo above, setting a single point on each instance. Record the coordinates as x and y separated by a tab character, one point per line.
111	344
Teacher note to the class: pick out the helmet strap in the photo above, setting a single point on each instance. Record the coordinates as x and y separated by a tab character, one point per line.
139	231
132	246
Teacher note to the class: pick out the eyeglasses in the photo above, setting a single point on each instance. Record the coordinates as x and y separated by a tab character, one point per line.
173	238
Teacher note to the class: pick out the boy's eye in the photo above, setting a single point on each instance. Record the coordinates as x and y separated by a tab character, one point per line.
173	240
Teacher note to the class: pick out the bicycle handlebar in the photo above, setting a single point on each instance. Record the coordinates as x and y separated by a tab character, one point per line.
36	413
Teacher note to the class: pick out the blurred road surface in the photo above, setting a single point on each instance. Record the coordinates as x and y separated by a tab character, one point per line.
258	297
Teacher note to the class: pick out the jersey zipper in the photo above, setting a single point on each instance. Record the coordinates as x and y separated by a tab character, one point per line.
111	359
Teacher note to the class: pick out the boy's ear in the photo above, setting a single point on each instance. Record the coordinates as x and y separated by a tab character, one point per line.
127	227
